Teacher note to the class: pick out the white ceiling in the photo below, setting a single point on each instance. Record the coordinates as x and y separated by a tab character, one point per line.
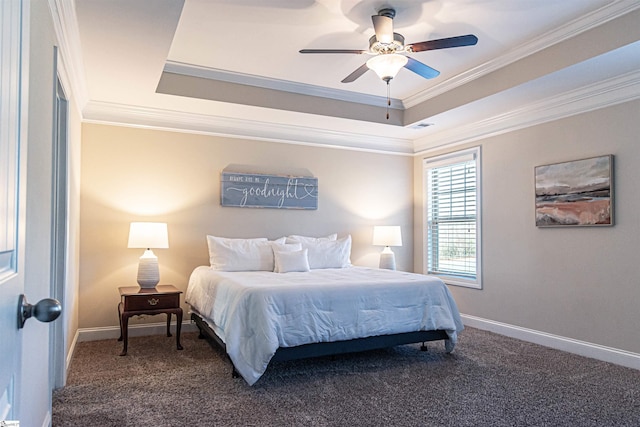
126	47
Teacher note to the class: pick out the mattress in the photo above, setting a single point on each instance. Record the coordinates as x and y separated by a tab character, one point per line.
257	312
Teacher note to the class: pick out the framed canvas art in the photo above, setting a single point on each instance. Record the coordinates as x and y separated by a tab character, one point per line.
250	190
575	193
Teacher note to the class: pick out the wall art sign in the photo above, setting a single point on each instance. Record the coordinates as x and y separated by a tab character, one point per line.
576	193
268	191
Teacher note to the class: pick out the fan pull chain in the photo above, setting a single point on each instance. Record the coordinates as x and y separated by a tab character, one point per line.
388	98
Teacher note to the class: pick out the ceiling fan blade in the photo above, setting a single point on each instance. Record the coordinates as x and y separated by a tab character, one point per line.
333	51
421	69
383	25
468	40
357	73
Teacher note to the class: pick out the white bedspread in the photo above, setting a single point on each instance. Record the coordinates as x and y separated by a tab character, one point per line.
259	311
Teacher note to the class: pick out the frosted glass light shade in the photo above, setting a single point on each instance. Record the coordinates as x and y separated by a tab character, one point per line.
386	66
147	235
387	235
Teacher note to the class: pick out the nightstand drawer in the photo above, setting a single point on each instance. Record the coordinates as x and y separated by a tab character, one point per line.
151	302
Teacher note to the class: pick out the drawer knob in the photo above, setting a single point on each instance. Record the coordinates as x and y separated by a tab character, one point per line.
153	301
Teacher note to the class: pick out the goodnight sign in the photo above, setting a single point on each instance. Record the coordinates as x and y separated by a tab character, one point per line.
268	191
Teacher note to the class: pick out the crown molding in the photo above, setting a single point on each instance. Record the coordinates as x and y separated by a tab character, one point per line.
162	119
65	24
565	32
610	92
602	94
277	84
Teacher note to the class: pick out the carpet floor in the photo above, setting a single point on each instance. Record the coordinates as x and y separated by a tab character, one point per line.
489	380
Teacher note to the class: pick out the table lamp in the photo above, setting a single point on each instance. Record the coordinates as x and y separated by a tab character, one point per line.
148	235
387	236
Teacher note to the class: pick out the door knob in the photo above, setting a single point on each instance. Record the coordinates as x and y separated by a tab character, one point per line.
46	310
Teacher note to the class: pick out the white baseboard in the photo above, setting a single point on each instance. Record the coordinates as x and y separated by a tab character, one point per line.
113	332
72	349
582	348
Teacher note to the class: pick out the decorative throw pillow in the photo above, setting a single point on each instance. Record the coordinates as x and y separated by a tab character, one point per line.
283	247
289	261
240	254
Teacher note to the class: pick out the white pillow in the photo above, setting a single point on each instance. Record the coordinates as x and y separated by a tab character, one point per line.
305	239
282	247
288	261
329	253
240	254
276	245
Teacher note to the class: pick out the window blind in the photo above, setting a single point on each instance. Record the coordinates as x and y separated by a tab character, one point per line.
452	216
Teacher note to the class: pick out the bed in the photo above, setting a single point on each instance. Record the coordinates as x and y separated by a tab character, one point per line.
272	312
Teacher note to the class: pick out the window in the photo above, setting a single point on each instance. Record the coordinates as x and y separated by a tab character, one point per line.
452	229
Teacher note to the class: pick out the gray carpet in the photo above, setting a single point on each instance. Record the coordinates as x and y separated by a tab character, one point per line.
489	380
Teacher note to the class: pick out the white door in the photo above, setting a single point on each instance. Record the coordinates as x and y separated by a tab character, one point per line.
12	202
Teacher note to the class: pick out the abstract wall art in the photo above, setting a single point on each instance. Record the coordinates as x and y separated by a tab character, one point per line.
575	193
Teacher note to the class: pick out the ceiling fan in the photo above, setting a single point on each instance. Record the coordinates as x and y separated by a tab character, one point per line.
388	49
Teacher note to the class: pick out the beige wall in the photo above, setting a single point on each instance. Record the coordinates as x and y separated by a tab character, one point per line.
133	174
580	283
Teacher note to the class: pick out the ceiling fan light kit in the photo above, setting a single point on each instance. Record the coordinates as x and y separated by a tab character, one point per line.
387	66
386	45
395	45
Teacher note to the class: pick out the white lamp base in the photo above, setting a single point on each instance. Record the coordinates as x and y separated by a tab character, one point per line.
148	272
387	259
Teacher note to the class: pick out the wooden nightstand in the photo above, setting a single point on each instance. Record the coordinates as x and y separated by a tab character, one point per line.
135	301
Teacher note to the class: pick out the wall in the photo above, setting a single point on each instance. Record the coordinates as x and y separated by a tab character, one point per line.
579	283
131	174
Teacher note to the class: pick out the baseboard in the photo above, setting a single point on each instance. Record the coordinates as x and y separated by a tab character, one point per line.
113	332
72	349
582	348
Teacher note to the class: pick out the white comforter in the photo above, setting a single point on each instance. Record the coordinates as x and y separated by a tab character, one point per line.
259	311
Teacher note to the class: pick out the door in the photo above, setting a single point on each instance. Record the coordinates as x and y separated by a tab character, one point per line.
13	131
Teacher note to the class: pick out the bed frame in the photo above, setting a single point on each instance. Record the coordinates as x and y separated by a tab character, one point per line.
330	348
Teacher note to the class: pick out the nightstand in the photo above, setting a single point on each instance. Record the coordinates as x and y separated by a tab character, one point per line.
136	301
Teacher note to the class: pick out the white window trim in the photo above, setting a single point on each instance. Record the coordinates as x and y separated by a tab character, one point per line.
442	160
